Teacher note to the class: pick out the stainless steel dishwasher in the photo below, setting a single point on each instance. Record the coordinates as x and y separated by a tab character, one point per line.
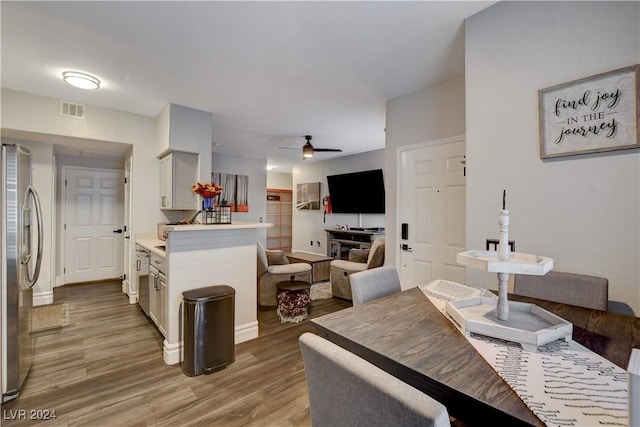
142	270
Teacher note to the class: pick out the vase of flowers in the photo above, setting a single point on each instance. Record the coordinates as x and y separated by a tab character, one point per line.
209	192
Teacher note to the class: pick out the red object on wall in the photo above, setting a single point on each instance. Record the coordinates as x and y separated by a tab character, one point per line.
326	202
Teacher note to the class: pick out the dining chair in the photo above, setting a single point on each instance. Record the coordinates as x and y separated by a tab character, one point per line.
346	390
568	288
372	284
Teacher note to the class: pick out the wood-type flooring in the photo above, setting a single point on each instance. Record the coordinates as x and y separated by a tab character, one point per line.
106	369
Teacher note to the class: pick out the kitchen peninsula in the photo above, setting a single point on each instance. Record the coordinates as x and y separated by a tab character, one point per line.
207	255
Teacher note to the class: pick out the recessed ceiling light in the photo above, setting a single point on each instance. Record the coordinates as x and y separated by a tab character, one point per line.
271	167
80	80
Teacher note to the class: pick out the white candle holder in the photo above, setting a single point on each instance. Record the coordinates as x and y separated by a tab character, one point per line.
504	262
491	317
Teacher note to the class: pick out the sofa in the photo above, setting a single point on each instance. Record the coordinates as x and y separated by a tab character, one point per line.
359	260
274	267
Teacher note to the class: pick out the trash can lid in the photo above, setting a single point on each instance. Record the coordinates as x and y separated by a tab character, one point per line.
210	292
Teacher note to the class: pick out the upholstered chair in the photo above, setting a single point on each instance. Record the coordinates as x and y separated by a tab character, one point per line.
359	260
568	288
274	267
372	284
346	390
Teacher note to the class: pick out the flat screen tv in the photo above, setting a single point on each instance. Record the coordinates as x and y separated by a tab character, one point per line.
357	192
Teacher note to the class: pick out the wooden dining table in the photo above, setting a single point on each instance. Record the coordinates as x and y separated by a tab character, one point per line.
407	336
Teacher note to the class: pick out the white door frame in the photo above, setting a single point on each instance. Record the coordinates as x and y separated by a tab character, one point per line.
399	152
130	286
63	211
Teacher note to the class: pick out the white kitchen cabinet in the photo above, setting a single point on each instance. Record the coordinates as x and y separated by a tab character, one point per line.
162	321
158	292
178	174
153	295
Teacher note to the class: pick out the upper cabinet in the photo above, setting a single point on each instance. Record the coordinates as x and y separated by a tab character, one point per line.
178	174
187	130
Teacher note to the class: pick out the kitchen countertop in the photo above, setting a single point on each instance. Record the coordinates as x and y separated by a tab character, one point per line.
152	244
216	227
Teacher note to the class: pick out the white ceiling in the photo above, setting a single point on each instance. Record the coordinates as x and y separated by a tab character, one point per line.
270	72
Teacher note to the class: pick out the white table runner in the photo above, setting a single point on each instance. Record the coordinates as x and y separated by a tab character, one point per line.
564	383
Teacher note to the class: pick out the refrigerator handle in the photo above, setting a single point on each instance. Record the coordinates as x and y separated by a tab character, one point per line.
36	272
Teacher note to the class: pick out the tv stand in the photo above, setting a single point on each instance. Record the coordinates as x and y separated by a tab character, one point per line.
340	242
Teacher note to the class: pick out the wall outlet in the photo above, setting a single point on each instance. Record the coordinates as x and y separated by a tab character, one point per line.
318	243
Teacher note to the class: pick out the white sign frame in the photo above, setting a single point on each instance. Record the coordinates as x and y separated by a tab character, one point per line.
590	115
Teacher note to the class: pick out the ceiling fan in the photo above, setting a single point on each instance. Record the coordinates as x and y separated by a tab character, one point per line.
308	149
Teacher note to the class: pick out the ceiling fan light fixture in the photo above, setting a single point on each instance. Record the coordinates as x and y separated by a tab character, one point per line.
81	80
307	151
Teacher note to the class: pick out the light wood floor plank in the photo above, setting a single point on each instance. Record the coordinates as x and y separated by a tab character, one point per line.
106	369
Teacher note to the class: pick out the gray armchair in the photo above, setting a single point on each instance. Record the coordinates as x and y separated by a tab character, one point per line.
274	267
341	270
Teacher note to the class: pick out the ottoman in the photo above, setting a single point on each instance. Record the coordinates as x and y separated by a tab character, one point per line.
293	300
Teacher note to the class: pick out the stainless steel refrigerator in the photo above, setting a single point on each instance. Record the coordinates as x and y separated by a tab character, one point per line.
21	257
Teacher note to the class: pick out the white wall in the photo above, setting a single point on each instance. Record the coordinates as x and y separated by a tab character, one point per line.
256	170
308	225
432	113
279	180
37	117
582	211
181	128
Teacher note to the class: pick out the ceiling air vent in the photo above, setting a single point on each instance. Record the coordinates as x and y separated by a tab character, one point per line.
69	109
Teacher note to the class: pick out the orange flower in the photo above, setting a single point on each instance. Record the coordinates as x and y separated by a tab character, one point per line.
207	190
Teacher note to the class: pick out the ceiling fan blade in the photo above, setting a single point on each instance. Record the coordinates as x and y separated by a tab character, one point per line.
335	150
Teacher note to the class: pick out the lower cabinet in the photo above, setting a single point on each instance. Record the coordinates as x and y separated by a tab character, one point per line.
162	322
158	293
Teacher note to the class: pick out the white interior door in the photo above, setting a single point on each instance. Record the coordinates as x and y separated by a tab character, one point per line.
93	224
433	207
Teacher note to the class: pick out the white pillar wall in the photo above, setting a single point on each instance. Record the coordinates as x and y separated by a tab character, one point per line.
582	211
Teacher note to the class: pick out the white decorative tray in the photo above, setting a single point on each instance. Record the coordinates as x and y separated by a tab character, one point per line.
518	263
528	324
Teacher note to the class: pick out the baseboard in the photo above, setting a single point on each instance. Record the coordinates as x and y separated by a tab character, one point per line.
133	298
43	298
172	353
246	332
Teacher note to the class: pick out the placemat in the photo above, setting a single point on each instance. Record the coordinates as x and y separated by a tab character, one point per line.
563	383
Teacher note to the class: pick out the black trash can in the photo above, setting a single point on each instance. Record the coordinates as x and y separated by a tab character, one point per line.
208	326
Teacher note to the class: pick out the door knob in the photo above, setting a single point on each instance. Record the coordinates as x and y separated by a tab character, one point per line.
118	230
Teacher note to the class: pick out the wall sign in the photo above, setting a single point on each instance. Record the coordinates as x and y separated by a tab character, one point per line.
590	115
308	196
